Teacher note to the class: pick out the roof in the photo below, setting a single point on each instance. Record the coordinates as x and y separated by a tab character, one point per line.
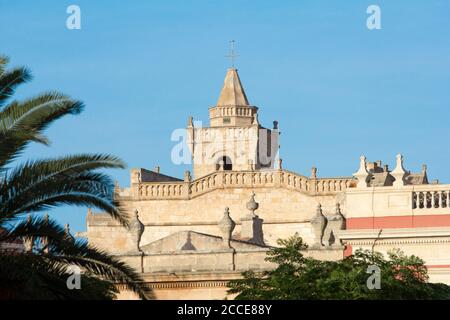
232	93
381	176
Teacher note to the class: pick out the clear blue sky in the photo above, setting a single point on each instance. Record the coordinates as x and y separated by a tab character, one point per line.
337	89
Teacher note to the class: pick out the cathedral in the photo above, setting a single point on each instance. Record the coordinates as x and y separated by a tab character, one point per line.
189	236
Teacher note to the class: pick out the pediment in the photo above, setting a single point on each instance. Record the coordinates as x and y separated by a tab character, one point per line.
192	241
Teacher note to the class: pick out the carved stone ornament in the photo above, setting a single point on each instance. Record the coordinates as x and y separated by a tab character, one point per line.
136	229
226	226
319	222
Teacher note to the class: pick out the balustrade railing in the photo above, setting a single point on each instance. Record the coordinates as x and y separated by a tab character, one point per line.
244	179
333	184
431	199
160	190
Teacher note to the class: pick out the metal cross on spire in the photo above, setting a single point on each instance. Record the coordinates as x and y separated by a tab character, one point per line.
232	54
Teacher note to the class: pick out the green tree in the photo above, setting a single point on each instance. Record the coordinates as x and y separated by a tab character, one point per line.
33	186
302	278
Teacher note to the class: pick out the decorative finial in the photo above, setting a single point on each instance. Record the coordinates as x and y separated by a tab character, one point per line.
280	164
252	205
136	229
399	172
255	119
335	223
313	172
67	232
362	174
190	122
424	169
232	54
339	216
319	223
275	125
187	176
226	226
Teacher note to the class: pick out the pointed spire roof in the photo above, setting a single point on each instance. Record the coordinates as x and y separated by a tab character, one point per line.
232	93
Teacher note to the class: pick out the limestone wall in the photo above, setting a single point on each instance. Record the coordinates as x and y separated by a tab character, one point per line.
203	275
284	212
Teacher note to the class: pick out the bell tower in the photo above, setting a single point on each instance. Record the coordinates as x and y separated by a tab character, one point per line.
234	140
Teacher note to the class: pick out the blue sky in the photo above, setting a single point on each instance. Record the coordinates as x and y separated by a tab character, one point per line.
337	89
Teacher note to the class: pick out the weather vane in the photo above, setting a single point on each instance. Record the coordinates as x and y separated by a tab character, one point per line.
232	54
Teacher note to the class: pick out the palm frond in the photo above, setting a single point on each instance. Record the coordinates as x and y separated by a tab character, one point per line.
12	143
9	80
38	112
31	117
39	185
43	184
63	251
31	276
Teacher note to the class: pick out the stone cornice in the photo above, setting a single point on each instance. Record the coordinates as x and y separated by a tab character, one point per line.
393	233
187	280
100	220
395	242
400	189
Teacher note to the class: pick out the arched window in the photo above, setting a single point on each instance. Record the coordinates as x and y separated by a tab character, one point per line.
224	162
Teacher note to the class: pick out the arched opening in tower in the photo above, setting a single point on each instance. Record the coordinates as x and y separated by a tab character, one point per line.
225	163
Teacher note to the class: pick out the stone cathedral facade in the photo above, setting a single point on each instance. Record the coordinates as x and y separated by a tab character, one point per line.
190	236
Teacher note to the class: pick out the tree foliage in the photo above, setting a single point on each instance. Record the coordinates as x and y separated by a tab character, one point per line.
298	277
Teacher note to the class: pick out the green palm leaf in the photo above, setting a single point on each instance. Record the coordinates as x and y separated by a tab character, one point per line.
42	184
9	80
39	185
22	122
63	251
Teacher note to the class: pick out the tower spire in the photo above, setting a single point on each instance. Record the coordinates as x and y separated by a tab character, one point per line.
232	93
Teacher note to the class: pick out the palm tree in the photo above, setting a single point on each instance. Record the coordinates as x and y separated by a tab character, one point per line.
33	186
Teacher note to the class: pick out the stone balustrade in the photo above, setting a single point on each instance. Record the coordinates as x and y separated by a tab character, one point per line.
431	197
294	181
221	111
217	134
241	179
333	184
161	190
